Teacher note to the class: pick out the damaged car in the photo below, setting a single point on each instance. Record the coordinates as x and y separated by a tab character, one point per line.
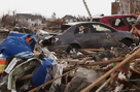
89	35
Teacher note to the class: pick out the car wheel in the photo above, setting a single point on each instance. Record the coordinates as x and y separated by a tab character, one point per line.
72	49
127	42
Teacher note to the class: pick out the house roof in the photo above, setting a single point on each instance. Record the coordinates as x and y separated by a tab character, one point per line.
68	17
32	17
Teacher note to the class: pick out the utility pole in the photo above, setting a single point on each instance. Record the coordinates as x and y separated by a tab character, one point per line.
87	10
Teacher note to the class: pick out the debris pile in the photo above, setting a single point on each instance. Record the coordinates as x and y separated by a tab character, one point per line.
25	66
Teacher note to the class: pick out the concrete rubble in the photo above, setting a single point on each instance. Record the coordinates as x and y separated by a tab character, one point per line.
116	69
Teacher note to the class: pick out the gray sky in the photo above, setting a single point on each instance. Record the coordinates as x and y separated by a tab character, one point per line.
60	7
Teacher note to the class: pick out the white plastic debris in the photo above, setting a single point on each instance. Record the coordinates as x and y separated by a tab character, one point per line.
11	65
50	55
57	71
1	55
79	53
119	88
121	75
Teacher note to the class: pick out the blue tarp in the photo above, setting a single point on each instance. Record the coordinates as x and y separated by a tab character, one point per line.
16	45
43	74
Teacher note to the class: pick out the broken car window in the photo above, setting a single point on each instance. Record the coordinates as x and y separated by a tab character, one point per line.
117	22
101	28
131	20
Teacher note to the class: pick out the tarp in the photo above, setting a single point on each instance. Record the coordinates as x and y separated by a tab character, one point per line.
15	45
44	73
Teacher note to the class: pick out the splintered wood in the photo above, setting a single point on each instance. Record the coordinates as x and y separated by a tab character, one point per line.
87	89
100	88
92	49
88	61
97	63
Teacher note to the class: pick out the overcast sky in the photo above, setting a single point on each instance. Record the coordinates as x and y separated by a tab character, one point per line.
60	7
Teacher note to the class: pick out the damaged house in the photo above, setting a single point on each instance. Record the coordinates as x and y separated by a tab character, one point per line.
32	20
69	18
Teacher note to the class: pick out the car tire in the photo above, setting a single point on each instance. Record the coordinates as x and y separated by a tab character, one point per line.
72	49
127	42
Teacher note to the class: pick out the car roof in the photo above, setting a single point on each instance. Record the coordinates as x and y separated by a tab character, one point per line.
113	16
75	23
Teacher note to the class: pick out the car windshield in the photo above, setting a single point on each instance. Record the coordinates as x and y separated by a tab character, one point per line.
101	28
131	20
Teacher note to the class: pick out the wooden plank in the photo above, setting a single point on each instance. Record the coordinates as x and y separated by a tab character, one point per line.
105	62
91	49
87	89
100	88
29	76
97	63
74	60
135	70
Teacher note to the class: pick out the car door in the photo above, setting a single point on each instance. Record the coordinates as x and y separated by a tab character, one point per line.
105	34
86	36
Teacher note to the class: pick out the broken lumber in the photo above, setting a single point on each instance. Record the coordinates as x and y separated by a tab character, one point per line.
105	62
74	60
137	88
99	89
91	49
97	63
135	70
25	77
87	89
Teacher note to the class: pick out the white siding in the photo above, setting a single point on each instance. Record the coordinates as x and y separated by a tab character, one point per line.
37	21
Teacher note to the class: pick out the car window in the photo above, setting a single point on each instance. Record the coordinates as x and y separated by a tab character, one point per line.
101	28
131	20
83	29
117	22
